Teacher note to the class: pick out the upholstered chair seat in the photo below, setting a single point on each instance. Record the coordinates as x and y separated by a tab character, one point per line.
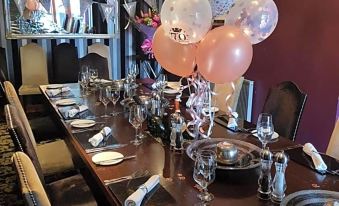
69	191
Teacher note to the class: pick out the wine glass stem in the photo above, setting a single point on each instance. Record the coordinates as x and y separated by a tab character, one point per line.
264	145
105	109
136	133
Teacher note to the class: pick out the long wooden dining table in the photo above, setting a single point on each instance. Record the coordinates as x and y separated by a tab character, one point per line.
175	169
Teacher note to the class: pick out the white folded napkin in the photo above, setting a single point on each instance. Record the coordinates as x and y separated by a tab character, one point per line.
136	198
316	158
97	138
54	92
72	112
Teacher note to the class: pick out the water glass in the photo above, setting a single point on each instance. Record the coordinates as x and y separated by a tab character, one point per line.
204	172
265	128
141	115
135	122
105	98
115	98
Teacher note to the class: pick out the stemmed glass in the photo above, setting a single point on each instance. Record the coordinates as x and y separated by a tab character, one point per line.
93	74
135	122
141	115
265	128
115	98
204	172
105	98
84	82
133	71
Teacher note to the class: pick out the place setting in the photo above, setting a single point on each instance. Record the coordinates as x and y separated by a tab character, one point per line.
69	110
58	91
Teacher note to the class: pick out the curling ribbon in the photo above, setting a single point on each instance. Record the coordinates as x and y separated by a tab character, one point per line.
227	99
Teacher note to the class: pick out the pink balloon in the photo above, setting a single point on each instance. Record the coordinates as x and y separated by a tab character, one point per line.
224	54
32	5
176	58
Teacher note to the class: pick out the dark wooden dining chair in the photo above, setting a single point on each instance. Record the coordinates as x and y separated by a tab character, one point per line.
96	61
65	64
3	76
69	191
286	103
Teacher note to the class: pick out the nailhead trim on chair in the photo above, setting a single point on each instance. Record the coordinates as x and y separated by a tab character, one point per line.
11	127
21	168
17	139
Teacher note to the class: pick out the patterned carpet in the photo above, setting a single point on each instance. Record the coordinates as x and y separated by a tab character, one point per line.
8	183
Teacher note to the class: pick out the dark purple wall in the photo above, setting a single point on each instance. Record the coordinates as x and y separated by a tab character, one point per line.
304	48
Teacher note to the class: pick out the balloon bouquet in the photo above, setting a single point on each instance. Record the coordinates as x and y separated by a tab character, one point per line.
186	46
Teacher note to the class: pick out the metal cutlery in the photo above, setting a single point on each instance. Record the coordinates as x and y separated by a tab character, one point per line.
135	174
108	147
118	158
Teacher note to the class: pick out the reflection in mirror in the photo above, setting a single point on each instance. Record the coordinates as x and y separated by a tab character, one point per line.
56	16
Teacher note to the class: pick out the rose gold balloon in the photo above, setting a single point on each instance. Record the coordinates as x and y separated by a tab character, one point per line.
32	5
176	58
224	54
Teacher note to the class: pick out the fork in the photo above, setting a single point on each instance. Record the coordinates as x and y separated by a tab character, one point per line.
135	174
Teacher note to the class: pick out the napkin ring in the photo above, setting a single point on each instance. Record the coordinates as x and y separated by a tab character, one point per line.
143	187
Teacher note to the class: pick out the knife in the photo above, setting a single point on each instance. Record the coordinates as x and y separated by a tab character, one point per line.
108	147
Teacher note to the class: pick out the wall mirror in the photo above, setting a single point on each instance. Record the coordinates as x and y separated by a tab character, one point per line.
60	18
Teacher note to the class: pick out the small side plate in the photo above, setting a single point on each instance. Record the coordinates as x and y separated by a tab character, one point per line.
65	102
107	158
83	123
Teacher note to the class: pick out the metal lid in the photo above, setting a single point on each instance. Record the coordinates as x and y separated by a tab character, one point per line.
266	154
280	157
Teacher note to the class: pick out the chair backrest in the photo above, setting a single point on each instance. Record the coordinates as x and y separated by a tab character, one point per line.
65	64
32	188
96	61
286	104
333	145
13	99
223	90
103	51
3	65
33	65
19	136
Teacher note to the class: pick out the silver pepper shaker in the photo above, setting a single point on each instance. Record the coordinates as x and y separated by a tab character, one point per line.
279	182
265	179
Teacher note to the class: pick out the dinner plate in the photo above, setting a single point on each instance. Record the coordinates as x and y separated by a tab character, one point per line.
107	158
83	123
171	91
274	136
54	86
311	197
65	102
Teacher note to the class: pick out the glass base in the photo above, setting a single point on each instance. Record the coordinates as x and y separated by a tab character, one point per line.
206	197
105	116
136	142
141	136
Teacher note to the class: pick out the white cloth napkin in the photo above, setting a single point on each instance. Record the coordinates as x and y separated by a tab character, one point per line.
316	158
136	198
97	138
72	112
54	92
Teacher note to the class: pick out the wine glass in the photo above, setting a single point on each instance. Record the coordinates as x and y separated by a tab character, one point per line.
105	98
162	81
93	74
141	115
265	128
134	121
84	81
204	172
115	98
134	71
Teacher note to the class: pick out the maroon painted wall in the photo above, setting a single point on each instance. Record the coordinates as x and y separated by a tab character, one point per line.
304	48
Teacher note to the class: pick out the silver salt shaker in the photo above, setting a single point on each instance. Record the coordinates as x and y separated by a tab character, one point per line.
279	182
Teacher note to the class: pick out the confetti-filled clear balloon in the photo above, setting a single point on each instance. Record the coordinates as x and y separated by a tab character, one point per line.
256	18
221	7
186	22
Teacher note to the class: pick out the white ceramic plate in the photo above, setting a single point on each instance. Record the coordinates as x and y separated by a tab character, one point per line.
107	158
65	102
213	109
274	136
55	86
171	91
83	123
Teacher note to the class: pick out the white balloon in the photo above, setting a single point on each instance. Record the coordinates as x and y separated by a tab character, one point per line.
186	21
256	18
220	7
